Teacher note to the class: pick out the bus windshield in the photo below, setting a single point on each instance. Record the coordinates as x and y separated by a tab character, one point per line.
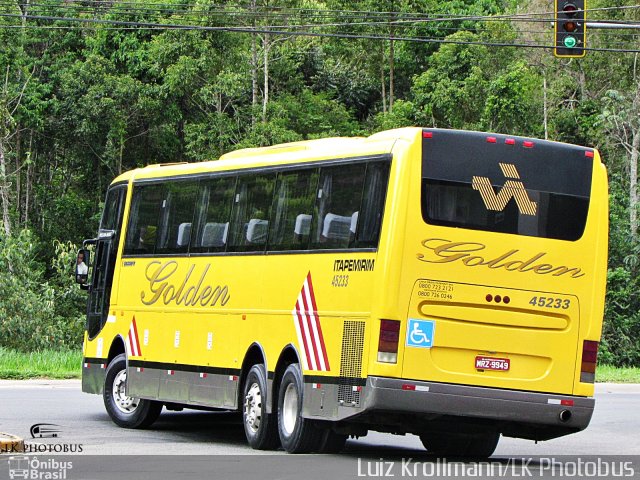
505	184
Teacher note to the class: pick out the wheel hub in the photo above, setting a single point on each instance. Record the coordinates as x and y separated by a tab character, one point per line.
253	407
123	402
290	409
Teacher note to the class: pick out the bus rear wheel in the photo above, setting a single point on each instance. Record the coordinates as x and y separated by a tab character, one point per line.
260	428
125	411
297	434
477	445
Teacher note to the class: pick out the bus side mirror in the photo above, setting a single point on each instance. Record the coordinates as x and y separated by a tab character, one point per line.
82	268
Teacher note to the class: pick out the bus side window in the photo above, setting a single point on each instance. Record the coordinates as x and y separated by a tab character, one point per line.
366	227
144	218
292	210
176	218
212	225
337	206
251	212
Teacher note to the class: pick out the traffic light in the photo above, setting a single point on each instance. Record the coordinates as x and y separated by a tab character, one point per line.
570	28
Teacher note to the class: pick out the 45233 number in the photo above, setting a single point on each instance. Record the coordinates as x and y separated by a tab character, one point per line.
340	280
550	302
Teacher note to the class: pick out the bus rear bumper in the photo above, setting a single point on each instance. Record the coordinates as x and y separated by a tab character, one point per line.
516	413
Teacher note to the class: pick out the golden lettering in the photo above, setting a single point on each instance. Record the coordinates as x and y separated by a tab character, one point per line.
156	280
446	251
162	286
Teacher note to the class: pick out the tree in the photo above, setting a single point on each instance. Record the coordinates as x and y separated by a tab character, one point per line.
451	92
10	99
512	104
621	118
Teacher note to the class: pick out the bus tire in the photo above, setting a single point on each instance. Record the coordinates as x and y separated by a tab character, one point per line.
477	445
297	434
127	412
260	428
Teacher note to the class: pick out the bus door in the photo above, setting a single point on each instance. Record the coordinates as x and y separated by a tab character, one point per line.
106	249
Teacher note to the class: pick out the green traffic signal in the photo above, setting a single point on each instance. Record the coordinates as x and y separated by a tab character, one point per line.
570	42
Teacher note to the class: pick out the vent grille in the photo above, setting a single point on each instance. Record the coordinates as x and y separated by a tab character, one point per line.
351	363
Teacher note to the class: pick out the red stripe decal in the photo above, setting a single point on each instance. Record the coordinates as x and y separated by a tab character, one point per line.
311	332
315	310
135	331
304	336
307	321
131	350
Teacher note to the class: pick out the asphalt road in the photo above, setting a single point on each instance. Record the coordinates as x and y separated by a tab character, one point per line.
84	424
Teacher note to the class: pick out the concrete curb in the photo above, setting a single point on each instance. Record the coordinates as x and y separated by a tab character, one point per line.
10	443
603	388
41	383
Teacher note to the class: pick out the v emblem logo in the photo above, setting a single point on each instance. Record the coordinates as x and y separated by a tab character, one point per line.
512	188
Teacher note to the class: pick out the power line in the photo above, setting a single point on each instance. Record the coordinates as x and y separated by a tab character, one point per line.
250	30
278	29
259	12
248	8
226	13
220	10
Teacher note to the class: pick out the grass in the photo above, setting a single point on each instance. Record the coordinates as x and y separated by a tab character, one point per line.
609	374
67	364
44	364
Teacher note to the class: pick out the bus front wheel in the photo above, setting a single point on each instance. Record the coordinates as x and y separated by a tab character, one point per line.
125	411
479	445
260	428
297	434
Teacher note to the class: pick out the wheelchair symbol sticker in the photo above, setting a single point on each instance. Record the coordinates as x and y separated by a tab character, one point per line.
420	333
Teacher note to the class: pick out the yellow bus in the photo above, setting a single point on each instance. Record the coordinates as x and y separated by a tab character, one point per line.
448	284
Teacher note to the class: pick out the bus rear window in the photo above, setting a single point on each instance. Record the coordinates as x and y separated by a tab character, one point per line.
505	184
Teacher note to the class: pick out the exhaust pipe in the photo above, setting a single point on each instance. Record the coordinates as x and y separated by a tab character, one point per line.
565	416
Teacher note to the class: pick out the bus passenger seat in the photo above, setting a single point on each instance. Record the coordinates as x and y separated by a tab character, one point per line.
303	225
354	223
184	232
257	230
336	227
215	234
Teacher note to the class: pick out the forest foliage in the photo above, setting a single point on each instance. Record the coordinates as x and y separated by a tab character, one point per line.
82	102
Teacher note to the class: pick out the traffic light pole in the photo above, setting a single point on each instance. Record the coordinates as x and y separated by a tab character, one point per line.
614	26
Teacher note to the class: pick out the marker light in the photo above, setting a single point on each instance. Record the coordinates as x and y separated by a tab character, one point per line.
388	341
589	360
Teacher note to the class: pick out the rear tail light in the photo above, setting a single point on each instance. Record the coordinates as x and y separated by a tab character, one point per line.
589	360
388	341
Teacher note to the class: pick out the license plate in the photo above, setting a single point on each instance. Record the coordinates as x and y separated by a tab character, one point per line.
492	363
